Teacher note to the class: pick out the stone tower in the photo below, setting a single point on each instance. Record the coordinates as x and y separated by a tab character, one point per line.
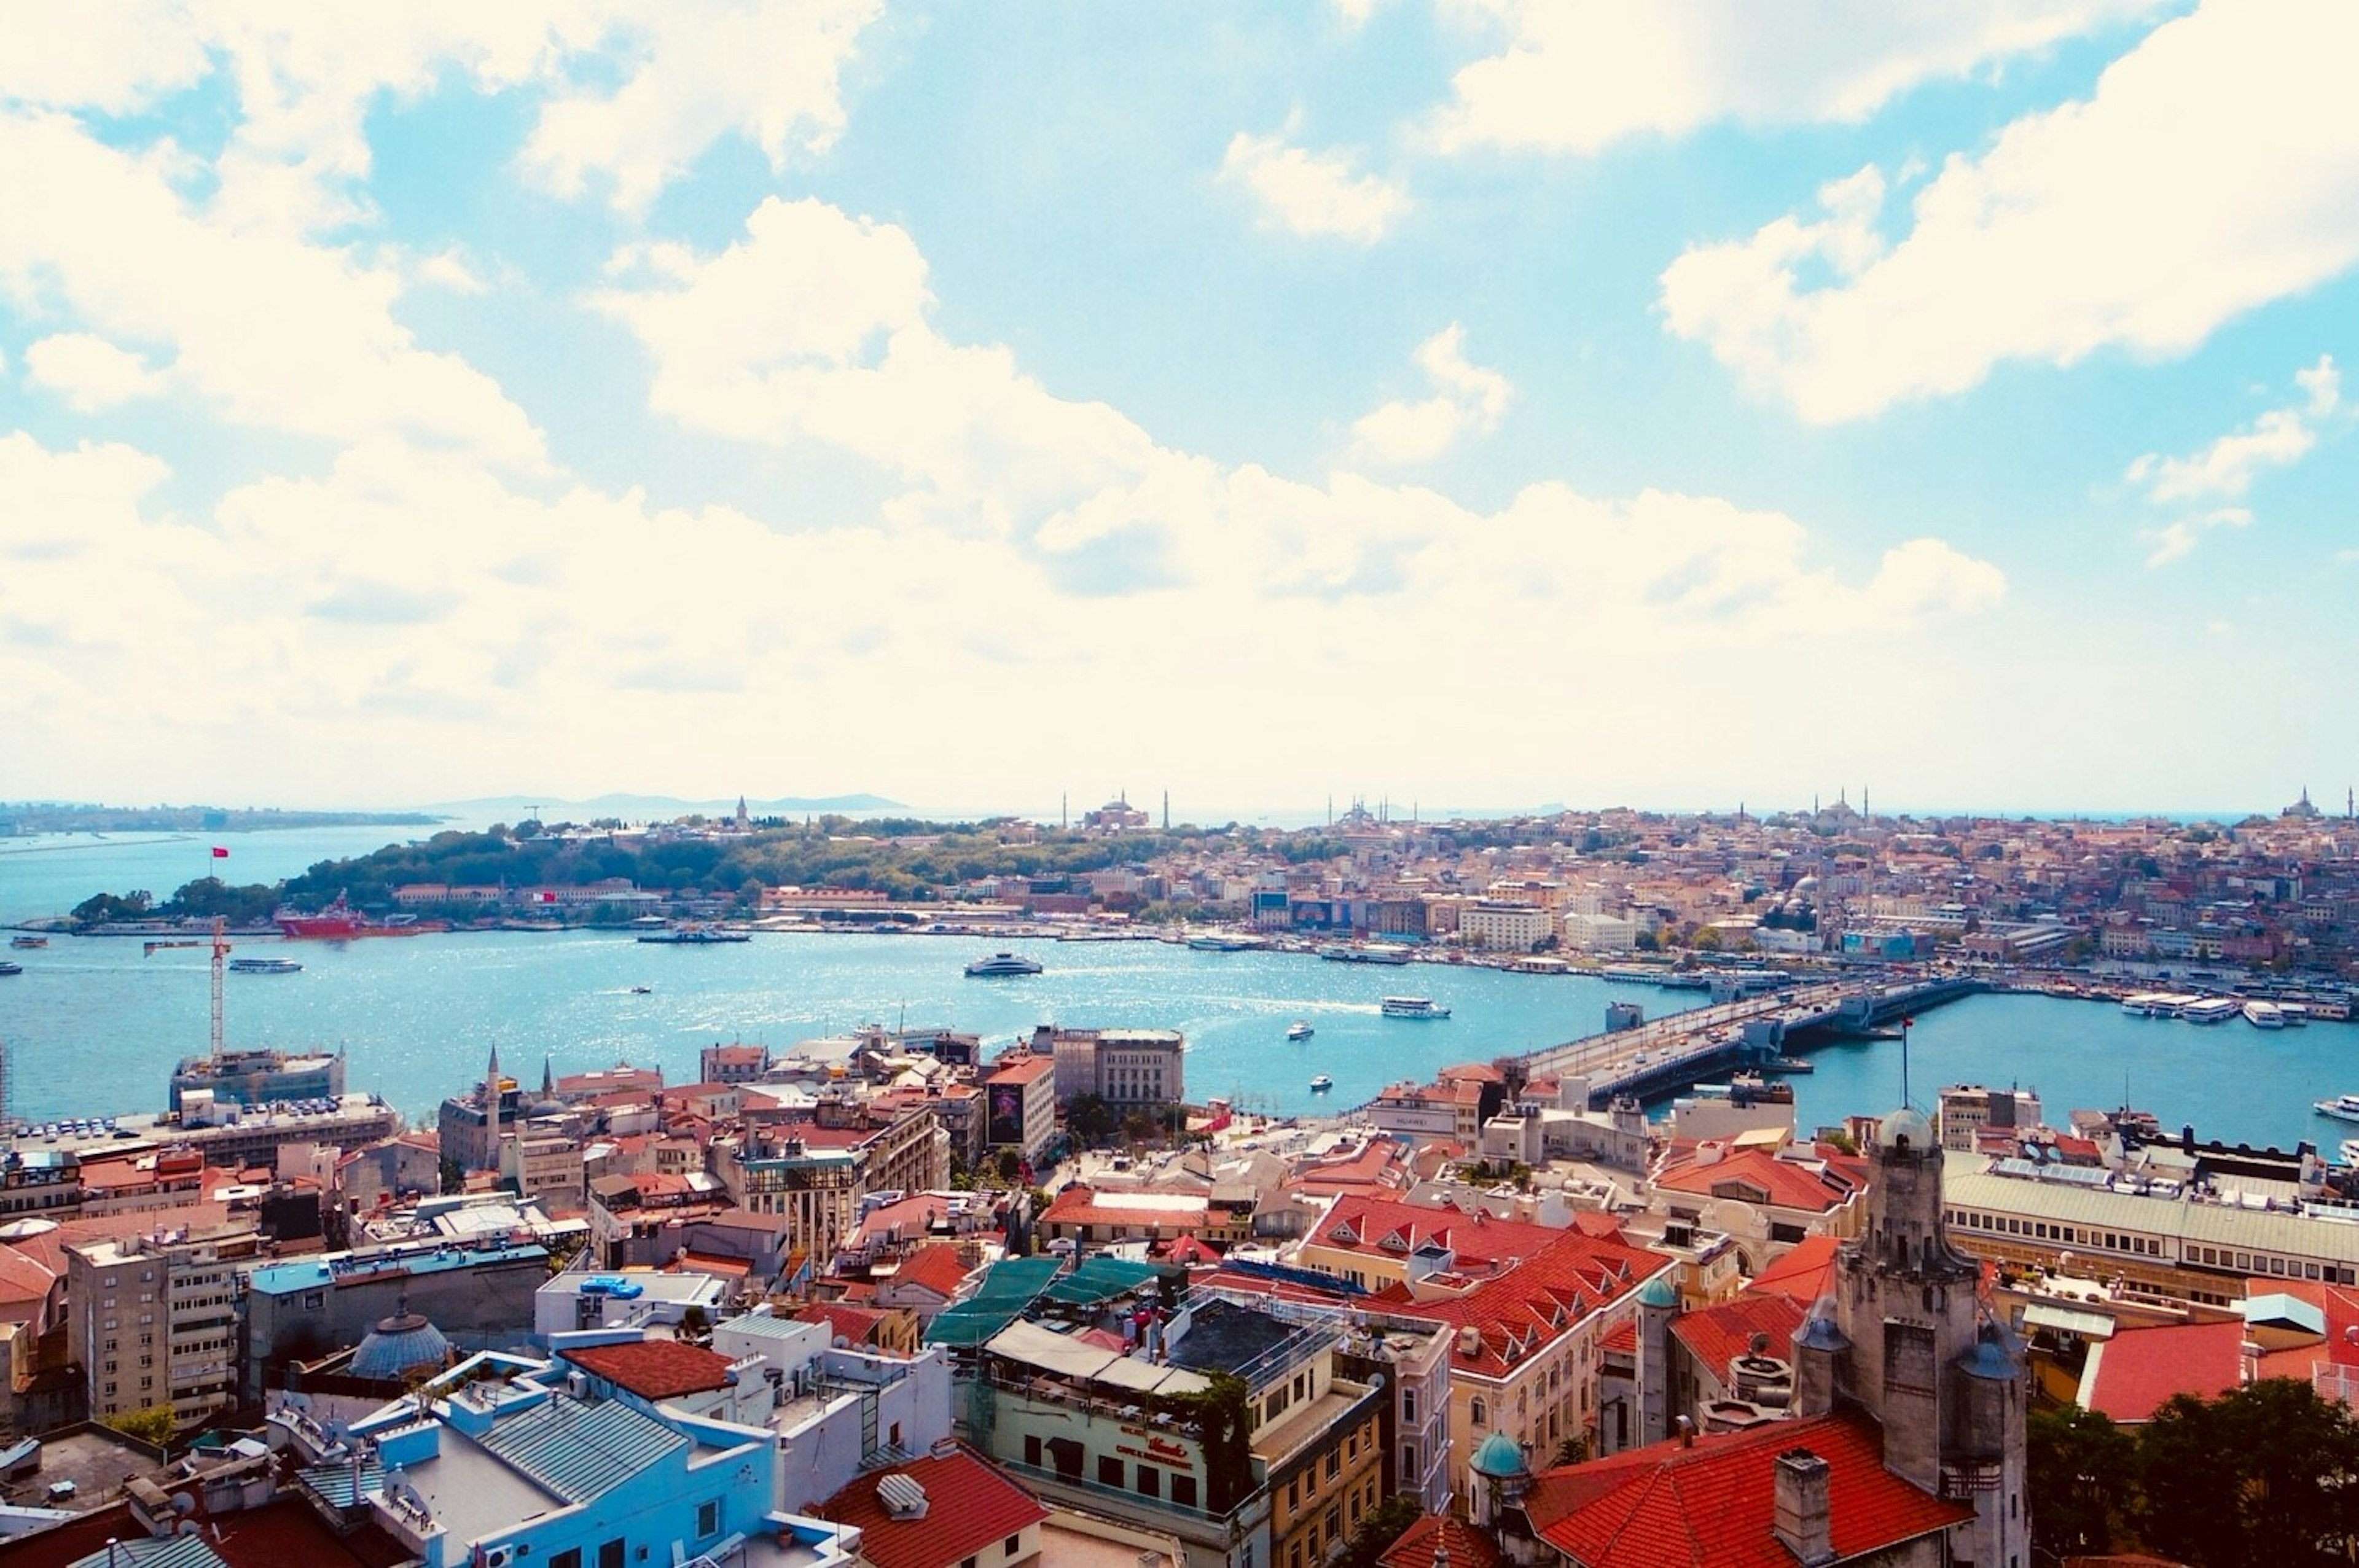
1905	1339
1658	1304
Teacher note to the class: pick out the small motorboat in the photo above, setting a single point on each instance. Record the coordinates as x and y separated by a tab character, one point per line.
1321	1083
641	990
1300	1030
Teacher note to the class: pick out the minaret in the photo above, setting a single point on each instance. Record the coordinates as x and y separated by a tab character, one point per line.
1167	811
743	821
547	1083
492	1075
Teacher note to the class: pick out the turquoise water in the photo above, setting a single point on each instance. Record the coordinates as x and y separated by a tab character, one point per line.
93	1028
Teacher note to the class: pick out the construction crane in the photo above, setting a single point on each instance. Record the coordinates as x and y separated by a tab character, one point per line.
221	955
221	947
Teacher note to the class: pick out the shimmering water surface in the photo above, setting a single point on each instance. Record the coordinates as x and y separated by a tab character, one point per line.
93	1028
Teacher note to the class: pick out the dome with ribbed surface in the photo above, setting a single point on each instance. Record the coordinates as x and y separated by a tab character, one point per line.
397	1345
1498	1456
1657	1292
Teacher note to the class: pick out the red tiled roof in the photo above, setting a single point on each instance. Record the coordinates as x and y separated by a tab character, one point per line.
1806	1273
1710	1504
271	1536
852	1325
1533	1302
1468	1547
970	1508
1380	1225
1716	1336
1623	1335
25	1282
653	1368
2136	1370
936	1267
1020	1069
1784	1182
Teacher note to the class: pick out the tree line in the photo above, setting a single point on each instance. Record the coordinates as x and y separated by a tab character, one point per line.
2264	1476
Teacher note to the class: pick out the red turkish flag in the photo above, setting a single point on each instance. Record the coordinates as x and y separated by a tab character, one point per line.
219	853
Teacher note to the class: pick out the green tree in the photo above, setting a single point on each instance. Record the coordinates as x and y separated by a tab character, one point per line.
1573	1450
1089	1118
153	1425
2081	1469
1379	1528
2261	1477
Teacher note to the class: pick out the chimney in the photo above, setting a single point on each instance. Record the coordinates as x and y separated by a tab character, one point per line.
1686	1432
1800	1520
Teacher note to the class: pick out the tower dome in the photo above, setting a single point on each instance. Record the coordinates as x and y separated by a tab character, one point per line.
398	1345
1905	1124
1657	1292
1499	1457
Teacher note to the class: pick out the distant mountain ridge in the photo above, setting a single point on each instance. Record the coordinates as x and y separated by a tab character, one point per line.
653	807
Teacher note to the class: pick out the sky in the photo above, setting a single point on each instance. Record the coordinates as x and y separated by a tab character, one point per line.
1464	401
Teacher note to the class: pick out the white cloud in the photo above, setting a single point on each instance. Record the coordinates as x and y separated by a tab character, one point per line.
274	331
2177	540
639	93
769	72
450	270
1311	193
1467	397
2215	168
91	374
816	326
1575	76
2226	468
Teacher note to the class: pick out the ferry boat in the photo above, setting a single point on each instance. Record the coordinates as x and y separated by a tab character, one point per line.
2264	1015
29	941
1224	941
2141	1004
264	966
9	967
2211	1009
1412	1007
1365	953
693	936
1300	1030
1000	963
2341	1107
1321	1083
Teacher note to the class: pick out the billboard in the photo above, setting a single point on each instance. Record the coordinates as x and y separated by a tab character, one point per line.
1006	1112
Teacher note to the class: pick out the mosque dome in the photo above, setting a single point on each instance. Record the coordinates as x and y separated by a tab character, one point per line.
1657	1292
1906	1124
1498	1456
397	1345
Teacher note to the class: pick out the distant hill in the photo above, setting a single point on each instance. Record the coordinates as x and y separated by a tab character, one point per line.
657	808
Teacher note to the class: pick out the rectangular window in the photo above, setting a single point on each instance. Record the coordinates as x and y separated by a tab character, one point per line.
1334	1464
1183	1490
1032	1450
1109	1470
1012	1544
569	1558
708	1518
1150	1481
610	1555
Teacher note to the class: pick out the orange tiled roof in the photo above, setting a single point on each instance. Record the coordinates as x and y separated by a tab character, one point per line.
653	1368
970	1508
1709	1504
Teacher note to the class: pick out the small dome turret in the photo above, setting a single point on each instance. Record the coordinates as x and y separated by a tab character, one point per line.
1500	1458
1905	1128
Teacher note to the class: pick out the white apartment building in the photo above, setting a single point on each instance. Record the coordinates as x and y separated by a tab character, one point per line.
1504	928
1593	933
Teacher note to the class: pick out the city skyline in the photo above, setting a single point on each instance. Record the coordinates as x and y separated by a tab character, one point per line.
1498	405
